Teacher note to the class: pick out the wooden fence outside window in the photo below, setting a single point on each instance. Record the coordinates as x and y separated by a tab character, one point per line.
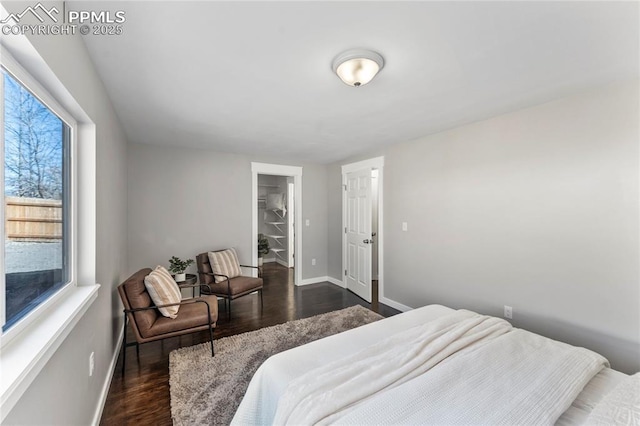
33	219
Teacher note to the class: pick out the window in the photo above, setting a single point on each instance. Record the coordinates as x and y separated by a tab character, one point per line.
37	201
33	334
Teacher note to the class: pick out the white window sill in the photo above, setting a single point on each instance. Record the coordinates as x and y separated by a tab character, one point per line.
24	357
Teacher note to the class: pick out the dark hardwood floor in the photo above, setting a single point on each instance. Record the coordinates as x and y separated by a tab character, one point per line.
142	396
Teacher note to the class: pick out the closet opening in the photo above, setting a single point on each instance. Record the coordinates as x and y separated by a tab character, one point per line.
276	199
276	220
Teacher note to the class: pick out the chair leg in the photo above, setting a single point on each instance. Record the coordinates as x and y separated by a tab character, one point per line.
124	344
211	337
261	300
138	350
229	311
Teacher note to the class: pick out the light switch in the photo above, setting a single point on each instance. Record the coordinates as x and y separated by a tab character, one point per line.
404	226
306	222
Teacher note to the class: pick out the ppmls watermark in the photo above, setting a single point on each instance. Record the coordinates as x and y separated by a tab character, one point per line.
65	22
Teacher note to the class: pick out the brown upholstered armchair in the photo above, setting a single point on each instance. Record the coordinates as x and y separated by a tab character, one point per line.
229	289
148	324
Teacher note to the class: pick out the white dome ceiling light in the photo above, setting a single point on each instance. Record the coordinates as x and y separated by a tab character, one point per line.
357	67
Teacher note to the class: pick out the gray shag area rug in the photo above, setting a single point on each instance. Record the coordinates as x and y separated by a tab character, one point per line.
206	390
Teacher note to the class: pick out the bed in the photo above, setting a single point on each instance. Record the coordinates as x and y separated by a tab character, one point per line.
367	375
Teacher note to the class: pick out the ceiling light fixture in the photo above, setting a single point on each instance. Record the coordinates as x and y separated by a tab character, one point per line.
357	67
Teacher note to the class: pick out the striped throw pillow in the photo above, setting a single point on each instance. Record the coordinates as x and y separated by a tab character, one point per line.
163	290
224	262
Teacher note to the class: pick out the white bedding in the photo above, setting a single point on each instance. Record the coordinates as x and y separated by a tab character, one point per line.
621	406
602	384
327	394
272	378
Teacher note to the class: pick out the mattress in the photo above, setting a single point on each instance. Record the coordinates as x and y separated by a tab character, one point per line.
272	378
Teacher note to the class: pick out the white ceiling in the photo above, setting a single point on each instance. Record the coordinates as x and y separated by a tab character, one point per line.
256	77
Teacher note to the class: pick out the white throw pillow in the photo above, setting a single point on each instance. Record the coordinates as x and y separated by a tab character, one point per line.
163	290
224	262
275	201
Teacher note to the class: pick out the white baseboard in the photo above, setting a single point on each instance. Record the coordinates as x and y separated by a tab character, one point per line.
336	281
313	280
269	260
394	304
107	382
278	261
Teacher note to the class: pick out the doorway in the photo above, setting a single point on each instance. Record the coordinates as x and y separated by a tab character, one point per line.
362	214
276	209
276	214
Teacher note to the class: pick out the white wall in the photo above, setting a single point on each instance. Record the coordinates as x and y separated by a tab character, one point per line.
185	201
537	209
63	393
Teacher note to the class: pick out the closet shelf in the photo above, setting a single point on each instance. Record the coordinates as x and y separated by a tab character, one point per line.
275	219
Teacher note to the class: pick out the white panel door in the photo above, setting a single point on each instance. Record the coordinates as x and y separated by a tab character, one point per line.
358	231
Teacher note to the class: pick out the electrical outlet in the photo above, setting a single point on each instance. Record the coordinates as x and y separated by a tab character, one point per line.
313	262
508	312
91	363
404	226
307	222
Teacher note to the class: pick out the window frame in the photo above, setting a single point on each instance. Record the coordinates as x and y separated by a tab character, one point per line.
16	71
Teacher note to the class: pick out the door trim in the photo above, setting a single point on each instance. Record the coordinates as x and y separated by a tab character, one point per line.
372	163
291	249
278	170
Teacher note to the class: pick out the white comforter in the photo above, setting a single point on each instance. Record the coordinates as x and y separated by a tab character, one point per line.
461	368
620	407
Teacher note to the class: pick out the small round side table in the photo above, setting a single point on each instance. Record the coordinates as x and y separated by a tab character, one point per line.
189	280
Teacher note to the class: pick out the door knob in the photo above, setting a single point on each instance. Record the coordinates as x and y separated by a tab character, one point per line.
367	241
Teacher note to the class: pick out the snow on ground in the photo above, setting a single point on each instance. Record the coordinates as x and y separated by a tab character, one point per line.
32	256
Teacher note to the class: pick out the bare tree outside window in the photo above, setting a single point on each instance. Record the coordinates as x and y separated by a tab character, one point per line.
33	145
